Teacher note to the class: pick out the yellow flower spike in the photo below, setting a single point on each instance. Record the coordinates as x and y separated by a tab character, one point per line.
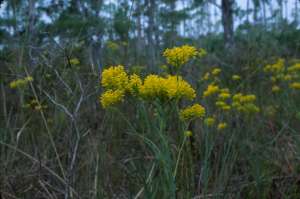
236	77
179	56
192	112
295	85
114	77
209	121
188	133
222	126
111	97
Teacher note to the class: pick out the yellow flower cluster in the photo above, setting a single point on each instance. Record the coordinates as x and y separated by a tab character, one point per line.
192	112
20	82
115	77
278	67
209	121
111	97
236	77
295	85
35	105
118	83
222	126
74	61
211	90
216	71
179	56
171	87
282	75
245	103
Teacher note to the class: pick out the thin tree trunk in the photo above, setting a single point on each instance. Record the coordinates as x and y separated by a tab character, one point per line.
150	32
227	21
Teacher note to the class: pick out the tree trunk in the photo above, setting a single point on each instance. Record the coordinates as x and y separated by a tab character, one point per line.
150	32
227	21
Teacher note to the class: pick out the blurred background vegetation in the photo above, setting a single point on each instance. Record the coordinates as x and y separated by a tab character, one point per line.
56	141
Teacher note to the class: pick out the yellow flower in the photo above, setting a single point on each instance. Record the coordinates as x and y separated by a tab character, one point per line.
294	68
188	133
216	71
178	56
224	95
114	77
211	89
112	45
222	125
236	77
201	52
206	76
295	85
134	84
172	87
20	82
275	68
28	79
111	97
209	121
74	61
244	103
220	103
287	78
247	98
275	89
153	87
192	112
250	108
177	88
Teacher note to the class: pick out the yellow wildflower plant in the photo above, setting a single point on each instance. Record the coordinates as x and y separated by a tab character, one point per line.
111	97
179	56
114	77
211	90
192	112
20	82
